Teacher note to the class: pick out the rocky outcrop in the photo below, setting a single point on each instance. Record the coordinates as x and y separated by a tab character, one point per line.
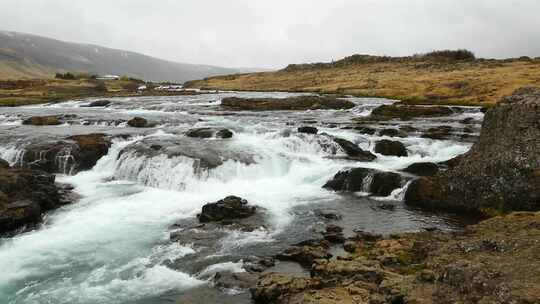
308	130
24	196
43	121
408	112
139	122
291	103
209	133
229	208
391	148
422	169
74	154
353	151
500	173
375	182
305	253
483	264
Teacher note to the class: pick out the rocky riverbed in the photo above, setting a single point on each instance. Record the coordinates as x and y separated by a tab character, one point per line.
185	199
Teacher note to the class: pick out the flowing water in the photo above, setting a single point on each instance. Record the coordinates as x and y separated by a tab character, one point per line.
114	246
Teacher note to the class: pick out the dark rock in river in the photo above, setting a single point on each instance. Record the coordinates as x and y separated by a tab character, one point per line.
42	121
376	182
441	132
502	170
239	280
76	153
405	112
391	148
139	122
392	133
353	151
422	169
98	103
209	133
365	130
308	130
291	103
231	207
24	196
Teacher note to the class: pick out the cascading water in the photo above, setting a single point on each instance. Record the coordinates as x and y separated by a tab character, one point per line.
113	245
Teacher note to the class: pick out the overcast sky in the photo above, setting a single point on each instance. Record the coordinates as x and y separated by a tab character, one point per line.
273	33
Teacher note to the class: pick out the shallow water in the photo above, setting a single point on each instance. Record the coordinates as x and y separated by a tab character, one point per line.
113	245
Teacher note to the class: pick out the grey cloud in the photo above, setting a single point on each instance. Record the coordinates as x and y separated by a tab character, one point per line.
275	33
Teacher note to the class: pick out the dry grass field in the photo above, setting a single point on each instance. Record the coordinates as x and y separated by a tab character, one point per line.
411	79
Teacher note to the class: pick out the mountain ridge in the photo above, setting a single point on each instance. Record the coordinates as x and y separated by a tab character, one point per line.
25	55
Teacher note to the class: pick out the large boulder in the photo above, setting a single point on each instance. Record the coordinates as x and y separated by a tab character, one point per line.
408	112
209	133
501	172
229	208
43	121
4	164
291	103
375	182
353	151
391	148
24	196
74	154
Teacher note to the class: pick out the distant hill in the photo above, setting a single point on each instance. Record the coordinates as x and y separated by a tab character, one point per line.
31	56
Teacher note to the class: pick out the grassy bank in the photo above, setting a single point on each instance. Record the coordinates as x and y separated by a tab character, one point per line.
415	80
37	91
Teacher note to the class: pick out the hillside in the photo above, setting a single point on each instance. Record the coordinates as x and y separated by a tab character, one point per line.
31	56
416	79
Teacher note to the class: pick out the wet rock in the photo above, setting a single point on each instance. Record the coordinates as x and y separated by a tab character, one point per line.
422	169
42	121
24	196
328	215
366	130
376	182
4	164
350	246
391	148
291	103
98	103
231	207
209	133
353	151
384	183
348	180
441	132
408	112
306	252
407	128
76	153
139	122
258	264
387	207
334	234
500	172
239	280
91	147
392	133
308	130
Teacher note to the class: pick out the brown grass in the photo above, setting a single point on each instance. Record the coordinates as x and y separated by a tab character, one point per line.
421	80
